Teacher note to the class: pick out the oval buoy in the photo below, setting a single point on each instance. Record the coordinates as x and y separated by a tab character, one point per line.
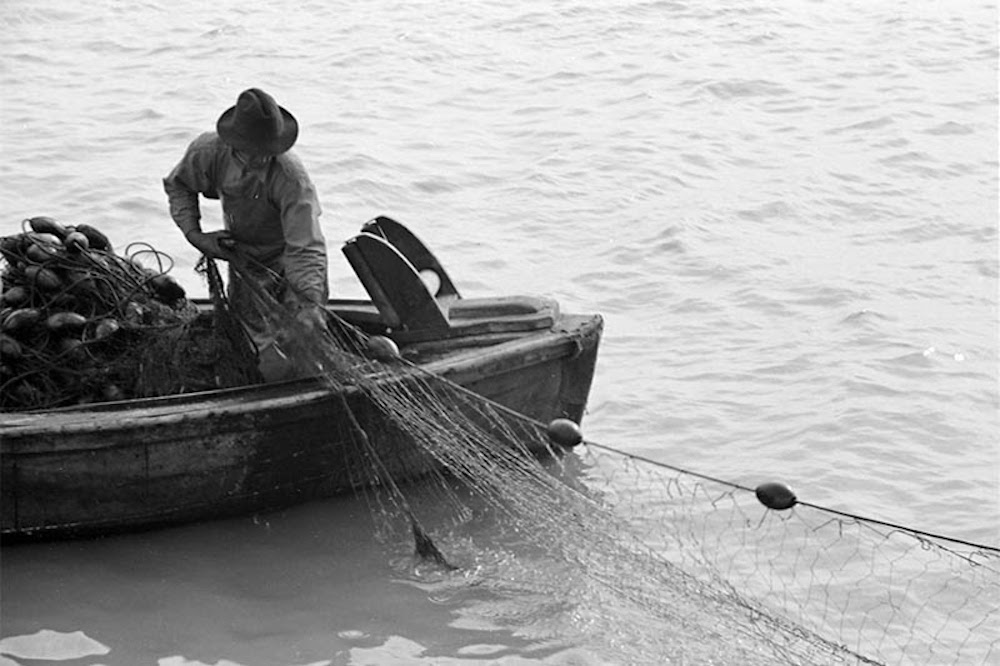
776	496
564	432
382	348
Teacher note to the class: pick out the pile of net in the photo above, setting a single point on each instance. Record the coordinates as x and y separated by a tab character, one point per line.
653	566
82	324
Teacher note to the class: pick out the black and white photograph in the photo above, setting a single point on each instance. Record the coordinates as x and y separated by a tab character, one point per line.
556	333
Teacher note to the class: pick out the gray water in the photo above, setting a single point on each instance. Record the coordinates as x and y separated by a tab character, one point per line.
786	212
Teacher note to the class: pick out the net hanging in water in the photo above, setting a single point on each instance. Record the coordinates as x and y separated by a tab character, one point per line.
666	566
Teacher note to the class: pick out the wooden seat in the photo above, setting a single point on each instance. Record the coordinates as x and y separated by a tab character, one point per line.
391	274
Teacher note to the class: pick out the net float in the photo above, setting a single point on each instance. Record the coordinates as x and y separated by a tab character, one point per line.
64	321
106	328
47	225
14	296
43	277
382	348
20	319
564	432
9	347
775	496
50	240
167	289
97	240
76	242
40	252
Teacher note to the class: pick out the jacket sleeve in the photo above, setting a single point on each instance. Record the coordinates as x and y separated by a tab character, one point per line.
305	258
192	176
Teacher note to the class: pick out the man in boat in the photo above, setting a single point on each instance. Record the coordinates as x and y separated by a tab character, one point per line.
271	215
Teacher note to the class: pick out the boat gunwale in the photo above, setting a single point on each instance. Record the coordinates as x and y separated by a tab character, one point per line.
530	349
572	342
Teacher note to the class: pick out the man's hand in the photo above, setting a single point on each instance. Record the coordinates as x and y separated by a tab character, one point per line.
311	318
214	245
309	321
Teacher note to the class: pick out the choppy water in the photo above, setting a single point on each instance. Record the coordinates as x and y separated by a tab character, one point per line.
786	212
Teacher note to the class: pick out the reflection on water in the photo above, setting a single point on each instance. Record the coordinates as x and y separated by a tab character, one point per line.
52	645
301	586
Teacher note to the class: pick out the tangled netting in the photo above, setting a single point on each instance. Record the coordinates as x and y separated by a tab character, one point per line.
82	324
663	566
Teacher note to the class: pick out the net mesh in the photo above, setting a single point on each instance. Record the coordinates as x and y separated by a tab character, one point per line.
664	566
888	595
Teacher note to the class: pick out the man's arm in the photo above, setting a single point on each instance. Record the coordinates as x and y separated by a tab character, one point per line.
305	258
192	176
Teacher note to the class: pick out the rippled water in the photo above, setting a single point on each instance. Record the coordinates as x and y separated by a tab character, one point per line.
786	212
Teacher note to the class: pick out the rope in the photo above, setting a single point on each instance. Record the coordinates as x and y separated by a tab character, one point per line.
818	507
706	477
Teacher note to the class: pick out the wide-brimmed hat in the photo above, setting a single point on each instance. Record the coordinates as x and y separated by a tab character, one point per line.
258	125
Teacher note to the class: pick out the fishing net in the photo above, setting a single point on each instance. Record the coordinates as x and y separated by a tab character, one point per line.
81	323
652	564
886	593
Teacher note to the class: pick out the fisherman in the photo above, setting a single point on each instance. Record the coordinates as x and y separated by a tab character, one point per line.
271	216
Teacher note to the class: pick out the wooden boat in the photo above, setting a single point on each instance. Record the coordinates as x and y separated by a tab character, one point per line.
137	464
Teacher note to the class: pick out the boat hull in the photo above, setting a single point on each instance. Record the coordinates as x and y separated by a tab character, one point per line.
148	463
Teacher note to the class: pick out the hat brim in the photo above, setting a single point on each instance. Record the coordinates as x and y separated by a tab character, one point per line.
254	144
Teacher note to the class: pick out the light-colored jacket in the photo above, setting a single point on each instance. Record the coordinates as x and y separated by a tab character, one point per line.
272	213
